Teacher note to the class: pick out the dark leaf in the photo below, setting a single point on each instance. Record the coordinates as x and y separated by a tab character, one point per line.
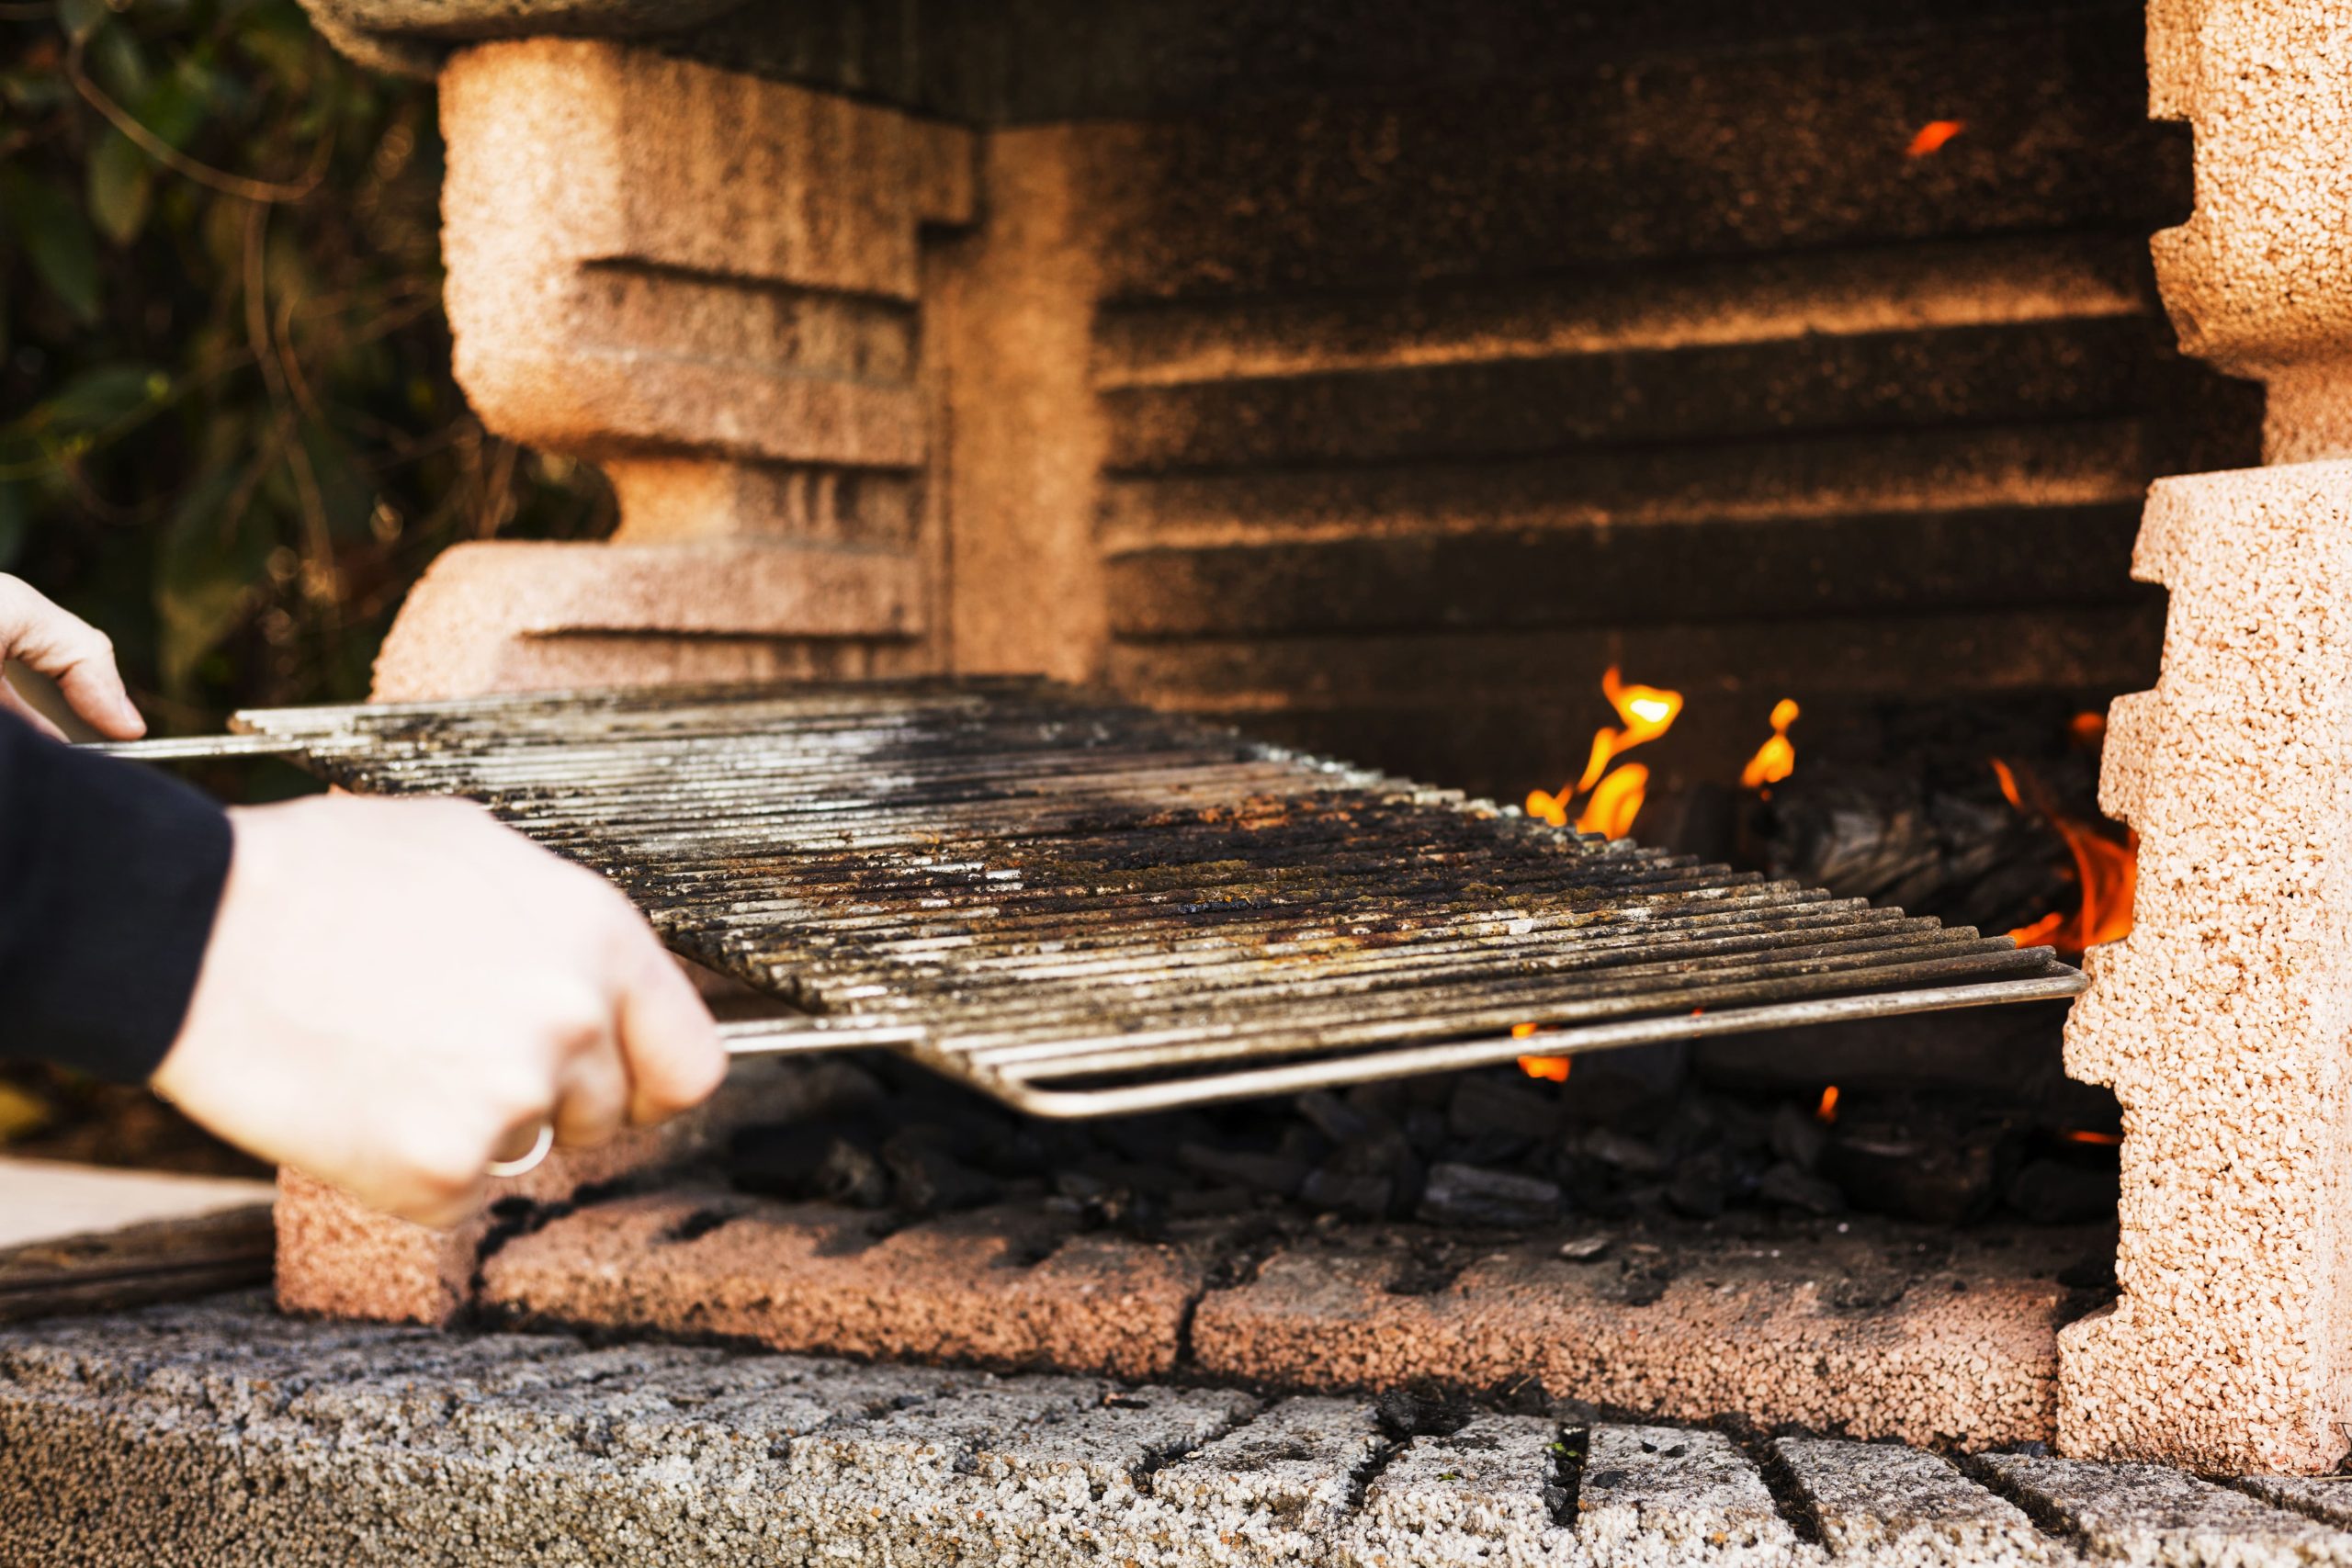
80	18
205	569
123	187
56	239
100	397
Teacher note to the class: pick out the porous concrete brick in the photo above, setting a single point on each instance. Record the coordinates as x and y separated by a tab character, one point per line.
1488	1492
338	1257
2327	1499
1280	1489
485	617
1003	1287
1891	1506
1651	1496
222	1433
2259	278
570	159
2147	1513
1775	1332
2219	1021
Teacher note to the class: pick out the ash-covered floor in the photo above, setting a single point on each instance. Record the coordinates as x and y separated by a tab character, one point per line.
224	1433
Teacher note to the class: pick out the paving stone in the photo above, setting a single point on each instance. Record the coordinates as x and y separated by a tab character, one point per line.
2325	1497
1881	1504
2149	1513
1277	1490
224	1434
1666	1495
1488	1492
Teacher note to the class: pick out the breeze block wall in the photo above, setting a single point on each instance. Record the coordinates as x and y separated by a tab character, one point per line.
711	285
2222	1021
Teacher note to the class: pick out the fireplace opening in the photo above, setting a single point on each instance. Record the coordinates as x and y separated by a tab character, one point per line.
1727	428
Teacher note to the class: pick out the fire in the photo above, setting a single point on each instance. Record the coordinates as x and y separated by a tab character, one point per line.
2106	871
1826	1112
1777	758
1612	797
1931	137
2086	1136
1552	1069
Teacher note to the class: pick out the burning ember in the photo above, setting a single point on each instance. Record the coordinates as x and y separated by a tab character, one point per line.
1551	1069
1612	797
1826	1112
1777	758
1932	136
2106	870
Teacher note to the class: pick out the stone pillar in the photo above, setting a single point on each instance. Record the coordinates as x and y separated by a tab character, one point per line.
711	285
2222	1021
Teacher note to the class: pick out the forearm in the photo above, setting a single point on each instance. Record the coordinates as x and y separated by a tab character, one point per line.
110	876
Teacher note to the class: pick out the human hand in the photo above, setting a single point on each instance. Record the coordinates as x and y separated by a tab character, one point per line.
398	992
70	651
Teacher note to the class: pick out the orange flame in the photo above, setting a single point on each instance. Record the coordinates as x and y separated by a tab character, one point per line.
1931	137
1826	1112
1615	798
1551	1069
2086	1135
2106	872
1777	758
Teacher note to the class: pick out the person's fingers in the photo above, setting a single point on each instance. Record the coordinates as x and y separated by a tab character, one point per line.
13	701
71	652
591	1097
670	1044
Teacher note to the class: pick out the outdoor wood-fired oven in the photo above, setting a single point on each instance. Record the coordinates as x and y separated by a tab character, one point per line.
1374	378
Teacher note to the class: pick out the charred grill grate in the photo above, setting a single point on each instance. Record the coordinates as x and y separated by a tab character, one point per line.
1085	907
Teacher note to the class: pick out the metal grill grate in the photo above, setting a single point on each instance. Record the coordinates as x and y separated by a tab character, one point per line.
1084	908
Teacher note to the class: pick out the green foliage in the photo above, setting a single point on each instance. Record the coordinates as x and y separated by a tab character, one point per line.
228	433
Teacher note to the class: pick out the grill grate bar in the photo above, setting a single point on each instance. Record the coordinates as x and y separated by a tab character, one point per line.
1086	907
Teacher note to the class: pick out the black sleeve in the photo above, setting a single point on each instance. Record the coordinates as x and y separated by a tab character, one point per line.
109	875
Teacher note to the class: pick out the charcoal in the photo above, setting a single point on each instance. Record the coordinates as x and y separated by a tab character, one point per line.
1798	1136
1495	1148
1206	1202
779	1162
927	1179
1082	1185
1356	1195
1337	1120
1482	1105
2054	1192
1471	1195
1016	1151
1425	1126
1404	1414
1632	1087
1947	1178
1635	1156
1585	1249
1698	1186
1300	1141
1692	1125
851	1173
1277	1174
1153	1139
1114	1172
1792	1186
